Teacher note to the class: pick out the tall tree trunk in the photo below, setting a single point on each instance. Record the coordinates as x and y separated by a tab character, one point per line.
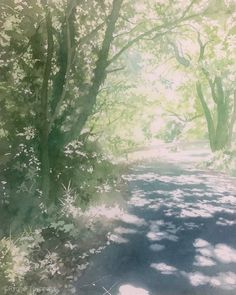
232	122
207	113
44	120
220	131
89	100
222	128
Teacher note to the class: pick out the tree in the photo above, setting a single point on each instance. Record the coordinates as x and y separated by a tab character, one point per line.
55	57
220	125
56	52
205	53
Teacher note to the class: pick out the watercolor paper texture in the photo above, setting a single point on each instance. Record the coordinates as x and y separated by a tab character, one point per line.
118	147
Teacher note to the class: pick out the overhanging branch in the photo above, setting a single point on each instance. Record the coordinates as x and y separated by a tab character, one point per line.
168	26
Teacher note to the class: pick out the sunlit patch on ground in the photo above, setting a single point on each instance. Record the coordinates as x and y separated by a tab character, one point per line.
224	222
108	212
158	150
225	280
220	252
181	202
195	212
224	253
113	213
161	236
117	239
227	200
138	201
148	177
203	261
158	236
164	268
200	243
131	290
123	230
157	233
133	219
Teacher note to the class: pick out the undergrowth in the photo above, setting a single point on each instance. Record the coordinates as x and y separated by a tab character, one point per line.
223	161
43	250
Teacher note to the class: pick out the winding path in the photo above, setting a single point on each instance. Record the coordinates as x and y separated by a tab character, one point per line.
178	238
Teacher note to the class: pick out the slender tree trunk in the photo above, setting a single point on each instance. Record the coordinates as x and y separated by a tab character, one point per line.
232	122
44	120
222	127
45	165
89	100
220	132
207	113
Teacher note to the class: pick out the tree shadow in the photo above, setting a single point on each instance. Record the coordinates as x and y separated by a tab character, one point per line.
171	212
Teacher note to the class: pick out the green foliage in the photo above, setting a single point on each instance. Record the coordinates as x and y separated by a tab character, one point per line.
82	83
224	161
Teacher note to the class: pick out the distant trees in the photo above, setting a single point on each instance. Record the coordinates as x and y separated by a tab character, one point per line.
221	131
220	121
206	53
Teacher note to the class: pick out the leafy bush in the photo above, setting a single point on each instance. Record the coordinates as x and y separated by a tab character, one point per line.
224	161
42	259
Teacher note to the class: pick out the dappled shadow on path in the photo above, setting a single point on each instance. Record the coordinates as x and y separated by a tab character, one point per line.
179	235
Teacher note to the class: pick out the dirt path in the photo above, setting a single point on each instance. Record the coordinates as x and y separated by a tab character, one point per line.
178	237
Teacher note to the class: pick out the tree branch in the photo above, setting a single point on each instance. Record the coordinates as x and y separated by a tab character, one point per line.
47	69
185	119
202	47
179	57
194	117
176	115
169	25
89	100
128	32
211	84
90	35
213	92
67	73
115	70
188	8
